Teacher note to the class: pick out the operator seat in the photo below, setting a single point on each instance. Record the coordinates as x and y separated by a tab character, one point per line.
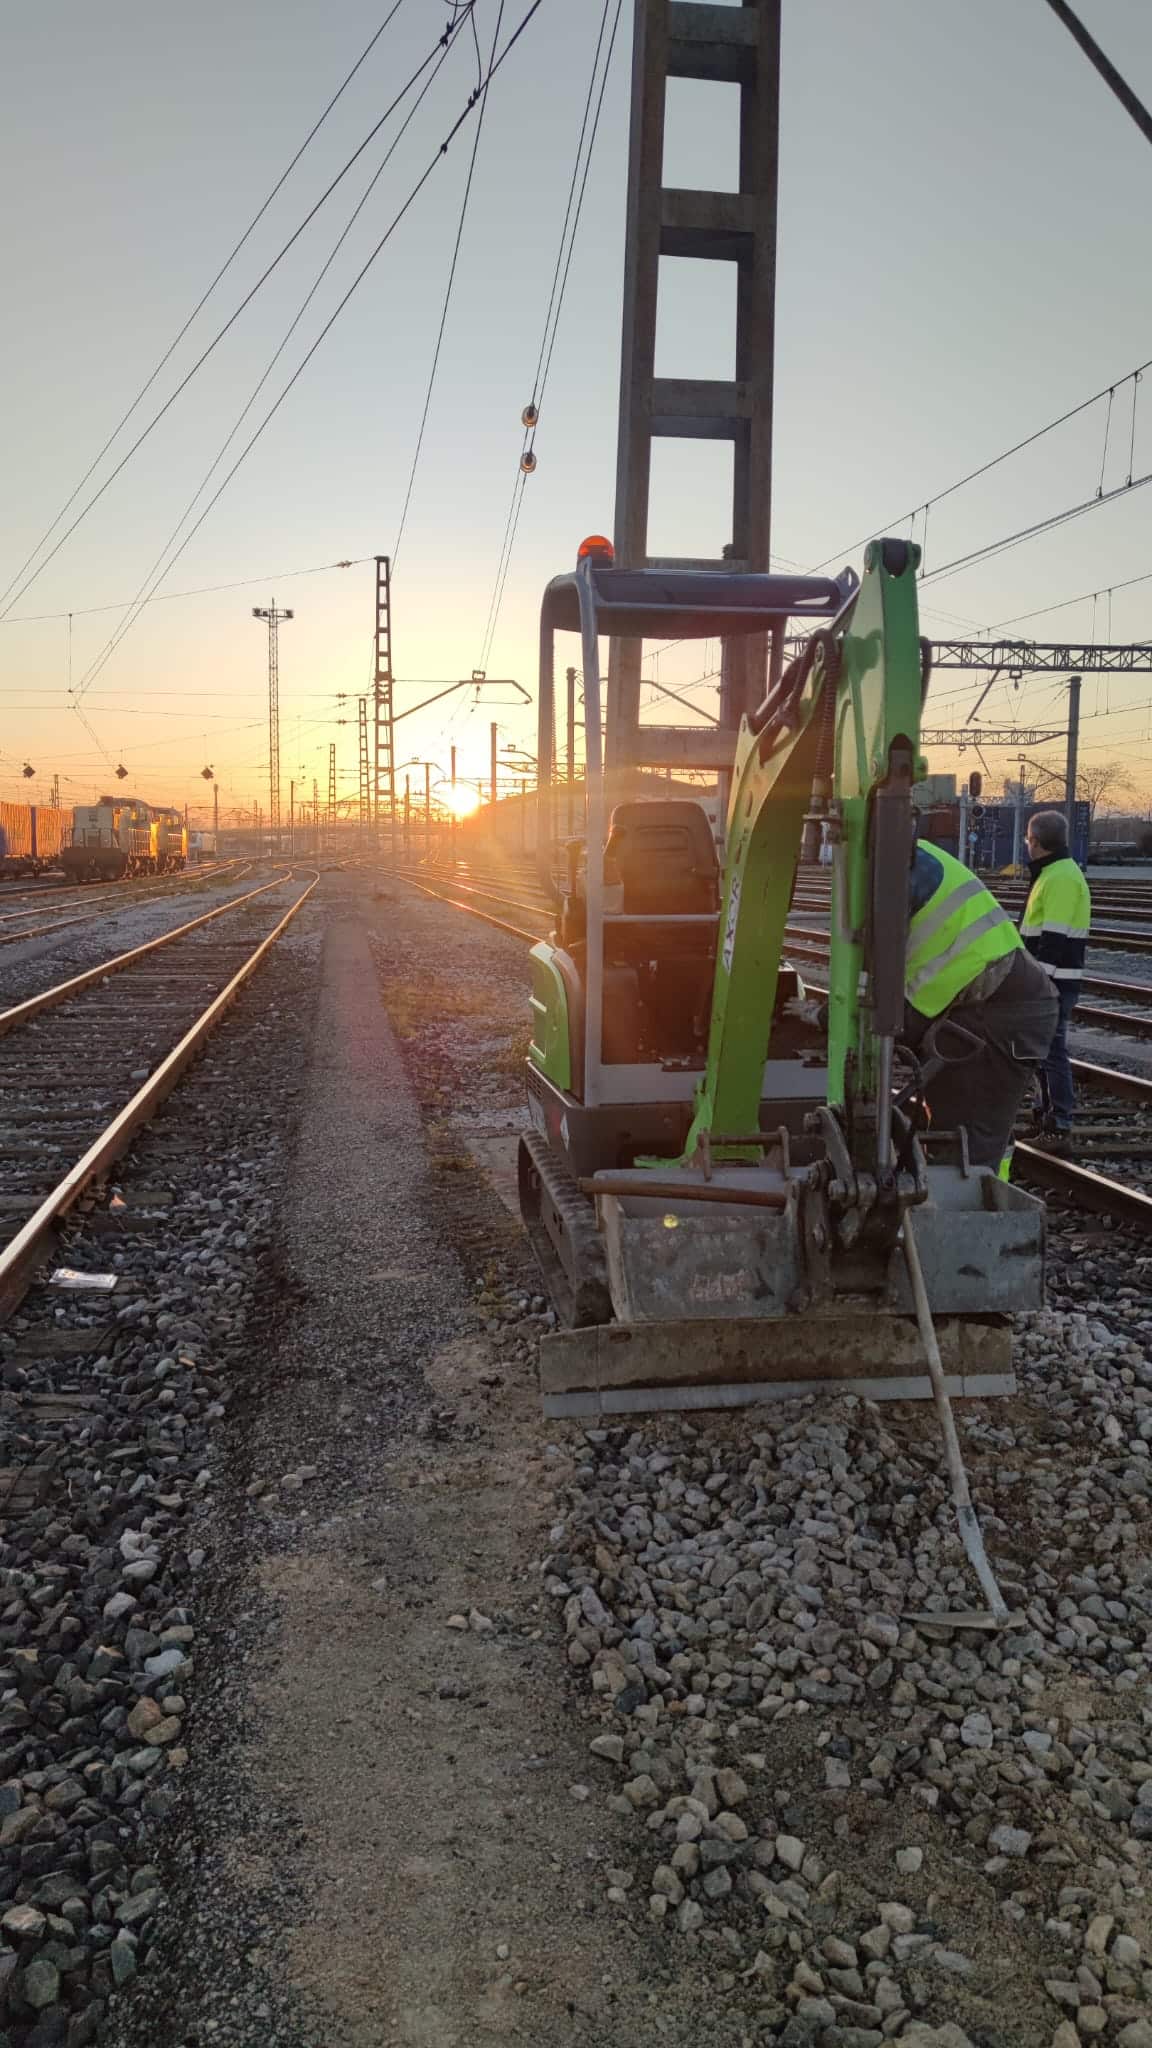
664	856
660	862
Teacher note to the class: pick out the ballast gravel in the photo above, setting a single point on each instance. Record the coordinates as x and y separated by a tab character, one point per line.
873	1819
30	965
116	1411
861	1825
877	1827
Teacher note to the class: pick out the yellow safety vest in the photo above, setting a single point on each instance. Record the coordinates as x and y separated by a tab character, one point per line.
959	932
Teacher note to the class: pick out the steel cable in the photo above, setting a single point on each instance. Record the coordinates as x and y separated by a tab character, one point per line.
389	231
556	293
204	298
142	597
447	294
154	422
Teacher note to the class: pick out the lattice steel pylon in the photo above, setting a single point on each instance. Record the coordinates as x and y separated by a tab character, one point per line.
331	828
384	762
272	618
365	772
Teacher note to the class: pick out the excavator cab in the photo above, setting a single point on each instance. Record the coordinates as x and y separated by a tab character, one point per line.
662	881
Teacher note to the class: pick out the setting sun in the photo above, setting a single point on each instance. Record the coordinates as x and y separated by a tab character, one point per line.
460	799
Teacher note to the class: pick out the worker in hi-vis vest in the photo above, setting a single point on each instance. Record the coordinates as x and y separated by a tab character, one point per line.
966	961
1054	929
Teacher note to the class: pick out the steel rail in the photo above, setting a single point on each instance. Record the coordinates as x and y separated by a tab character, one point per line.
1096	1191
62	990
1107	1081
488	895
1132	1022
20	1258
90	892
802	939
514	930
499	894
165	887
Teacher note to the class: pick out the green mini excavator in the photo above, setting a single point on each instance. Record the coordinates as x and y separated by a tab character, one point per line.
730	1204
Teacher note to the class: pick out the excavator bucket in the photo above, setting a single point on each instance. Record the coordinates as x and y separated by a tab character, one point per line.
718	1305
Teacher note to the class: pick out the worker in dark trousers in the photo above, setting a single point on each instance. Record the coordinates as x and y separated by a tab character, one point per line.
966	961
1054	929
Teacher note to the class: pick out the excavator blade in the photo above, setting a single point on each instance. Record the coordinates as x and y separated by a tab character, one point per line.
738	1362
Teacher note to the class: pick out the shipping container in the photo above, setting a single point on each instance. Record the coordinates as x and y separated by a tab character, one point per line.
31	836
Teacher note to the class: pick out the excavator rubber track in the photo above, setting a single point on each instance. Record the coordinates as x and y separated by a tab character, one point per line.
561	1226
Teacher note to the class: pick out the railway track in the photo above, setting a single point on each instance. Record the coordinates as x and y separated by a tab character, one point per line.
14	891
87	906
1116	1135
88	1061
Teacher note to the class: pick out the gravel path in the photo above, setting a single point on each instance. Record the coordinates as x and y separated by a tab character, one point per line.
387	1836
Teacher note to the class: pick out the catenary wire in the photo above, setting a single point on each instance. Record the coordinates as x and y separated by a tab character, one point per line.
1018	618
204	298
447	295
576	188
1013	540
449	34
140	600
173	596
938	497
538	394
357	280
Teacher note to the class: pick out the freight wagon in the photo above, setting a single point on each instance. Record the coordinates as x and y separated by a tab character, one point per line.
31	836
121	836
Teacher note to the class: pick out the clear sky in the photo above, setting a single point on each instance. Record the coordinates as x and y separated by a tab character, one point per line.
964	253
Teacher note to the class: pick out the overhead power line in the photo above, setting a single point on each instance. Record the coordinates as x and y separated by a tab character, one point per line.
1105	67
473	98
1013	540
1019	618
577	186
154	576
449	33
204	298
1108	392
447	297
172	596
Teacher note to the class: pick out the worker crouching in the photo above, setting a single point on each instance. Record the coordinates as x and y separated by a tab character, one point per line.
966	960
1054	929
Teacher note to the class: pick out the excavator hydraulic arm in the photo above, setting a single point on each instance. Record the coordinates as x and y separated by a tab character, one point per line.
844	717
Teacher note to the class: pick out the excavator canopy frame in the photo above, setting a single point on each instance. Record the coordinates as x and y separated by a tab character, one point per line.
595	600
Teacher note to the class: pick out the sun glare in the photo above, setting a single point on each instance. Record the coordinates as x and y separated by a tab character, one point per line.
461	800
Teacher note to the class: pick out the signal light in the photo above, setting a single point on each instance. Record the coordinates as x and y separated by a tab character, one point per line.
597	547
